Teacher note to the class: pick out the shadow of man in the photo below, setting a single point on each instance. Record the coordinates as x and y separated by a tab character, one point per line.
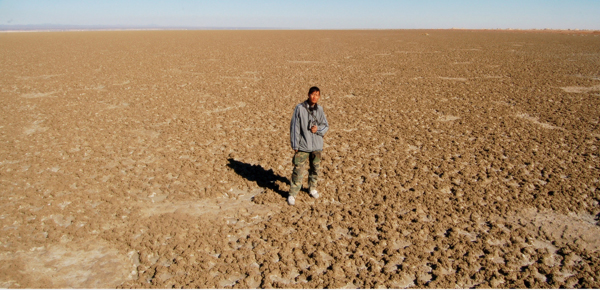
263	178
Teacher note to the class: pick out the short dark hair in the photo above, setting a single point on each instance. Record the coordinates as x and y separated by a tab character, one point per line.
312	90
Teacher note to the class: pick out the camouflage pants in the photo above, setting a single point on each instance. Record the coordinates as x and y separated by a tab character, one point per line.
299	161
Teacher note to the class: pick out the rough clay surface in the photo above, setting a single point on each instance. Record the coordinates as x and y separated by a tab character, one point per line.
161	159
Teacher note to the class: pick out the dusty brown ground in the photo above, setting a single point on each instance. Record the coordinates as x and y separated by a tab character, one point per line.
159	159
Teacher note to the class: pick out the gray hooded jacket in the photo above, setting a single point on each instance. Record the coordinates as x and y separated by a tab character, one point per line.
301	138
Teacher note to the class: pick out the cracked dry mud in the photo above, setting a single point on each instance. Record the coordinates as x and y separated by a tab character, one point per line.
161	159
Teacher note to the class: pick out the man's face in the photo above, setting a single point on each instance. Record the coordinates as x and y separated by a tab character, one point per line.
314	97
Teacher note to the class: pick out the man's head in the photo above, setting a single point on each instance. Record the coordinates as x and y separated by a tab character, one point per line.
313	95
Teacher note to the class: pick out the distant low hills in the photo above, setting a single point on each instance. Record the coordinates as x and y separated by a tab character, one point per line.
63	27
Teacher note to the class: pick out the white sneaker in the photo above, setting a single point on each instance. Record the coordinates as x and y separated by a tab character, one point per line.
314	193
291	200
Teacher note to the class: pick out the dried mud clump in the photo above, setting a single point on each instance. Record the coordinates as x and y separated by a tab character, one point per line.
158	159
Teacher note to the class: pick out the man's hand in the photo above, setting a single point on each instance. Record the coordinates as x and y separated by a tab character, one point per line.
314	129
295	151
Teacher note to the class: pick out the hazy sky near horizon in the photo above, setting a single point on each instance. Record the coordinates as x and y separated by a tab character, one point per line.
324	14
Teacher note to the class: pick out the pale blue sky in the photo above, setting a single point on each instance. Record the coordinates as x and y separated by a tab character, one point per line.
332	14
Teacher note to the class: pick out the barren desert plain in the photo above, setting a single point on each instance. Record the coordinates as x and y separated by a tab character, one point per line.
159	159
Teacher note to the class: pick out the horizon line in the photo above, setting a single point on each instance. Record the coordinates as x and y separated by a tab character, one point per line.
72	27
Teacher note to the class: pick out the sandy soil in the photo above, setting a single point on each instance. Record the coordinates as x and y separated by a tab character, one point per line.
161	159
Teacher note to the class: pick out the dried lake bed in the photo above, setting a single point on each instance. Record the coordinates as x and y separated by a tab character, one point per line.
158	159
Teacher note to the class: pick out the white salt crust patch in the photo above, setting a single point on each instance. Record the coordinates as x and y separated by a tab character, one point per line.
454	79
93	264
37	95
581	90
534	120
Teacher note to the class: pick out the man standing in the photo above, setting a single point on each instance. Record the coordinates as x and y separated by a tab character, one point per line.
307	129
